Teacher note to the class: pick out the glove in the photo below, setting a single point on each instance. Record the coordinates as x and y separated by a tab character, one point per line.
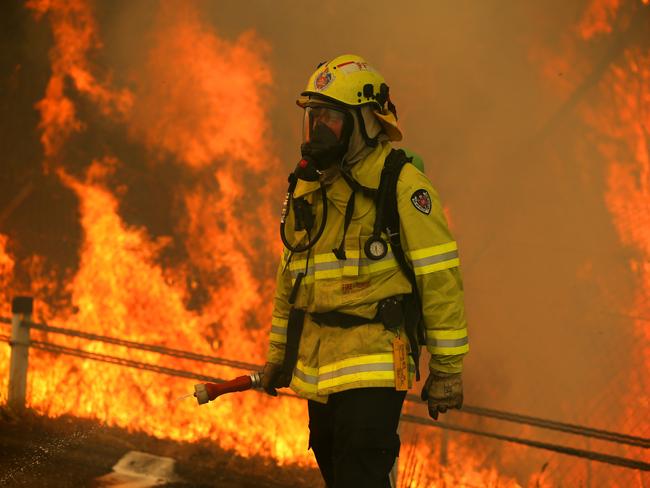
442	391
273	377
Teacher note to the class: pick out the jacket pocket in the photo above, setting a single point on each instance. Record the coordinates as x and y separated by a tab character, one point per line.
338	281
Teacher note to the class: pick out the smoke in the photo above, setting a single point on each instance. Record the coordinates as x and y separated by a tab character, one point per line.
497	124
544	271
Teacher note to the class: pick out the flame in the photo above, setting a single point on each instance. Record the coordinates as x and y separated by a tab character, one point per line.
213	120
198	105
628	199
214	112
121	291
6	264
621	123
420	463
617	115
210	120
6	276
75	35
214	105
597	18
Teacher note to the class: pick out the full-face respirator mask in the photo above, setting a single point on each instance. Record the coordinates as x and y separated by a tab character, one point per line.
326	135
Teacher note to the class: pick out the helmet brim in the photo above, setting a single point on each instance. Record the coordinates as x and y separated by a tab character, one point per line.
308	98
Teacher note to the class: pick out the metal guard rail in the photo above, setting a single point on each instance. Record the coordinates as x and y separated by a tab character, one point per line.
468	409
58	349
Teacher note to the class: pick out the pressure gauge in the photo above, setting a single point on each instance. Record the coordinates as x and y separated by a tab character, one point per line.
375	248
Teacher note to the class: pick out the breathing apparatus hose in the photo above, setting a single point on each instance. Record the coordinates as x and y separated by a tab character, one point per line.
306	171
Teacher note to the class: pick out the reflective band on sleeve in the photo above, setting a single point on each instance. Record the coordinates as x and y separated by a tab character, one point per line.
432	251
447	342
436	258
278	330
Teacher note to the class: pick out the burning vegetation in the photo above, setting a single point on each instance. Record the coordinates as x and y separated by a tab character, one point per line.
185	139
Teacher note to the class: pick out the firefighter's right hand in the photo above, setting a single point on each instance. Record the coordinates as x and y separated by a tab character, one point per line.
273	377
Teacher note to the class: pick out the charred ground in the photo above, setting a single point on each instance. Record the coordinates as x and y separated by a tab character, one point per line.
70	452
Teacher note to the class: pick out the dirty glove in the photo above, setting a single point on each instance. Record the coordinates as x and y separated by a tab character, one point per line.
273	377
442	391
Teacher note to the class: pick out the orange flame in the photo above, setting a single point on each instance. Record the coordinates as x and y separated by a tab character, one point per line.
621	122
6	276
212	111
199	104
628	199
597	18
120	291
618	118
6	264
214	104
214	117
75	34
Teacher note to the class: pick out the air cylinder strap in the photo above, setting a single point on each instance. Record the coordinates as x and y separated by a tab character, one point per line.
393	165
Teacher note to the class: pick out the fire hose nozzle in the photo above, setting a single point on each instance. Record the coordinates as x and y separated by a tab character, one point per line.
206	392
201	393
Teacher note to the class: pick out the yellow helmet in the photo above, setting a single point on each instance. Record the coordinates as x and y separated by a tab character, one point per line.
349	80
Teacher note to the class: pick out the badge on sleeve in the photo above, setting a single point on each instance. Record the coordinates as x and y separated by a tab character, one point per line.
422	201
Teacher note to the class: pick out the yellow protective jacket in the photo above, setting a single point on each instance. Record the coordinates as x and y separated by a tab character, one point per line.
333	359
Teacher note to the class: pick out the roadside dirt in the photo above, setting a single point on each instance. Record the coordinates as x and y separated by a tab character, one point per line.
66	452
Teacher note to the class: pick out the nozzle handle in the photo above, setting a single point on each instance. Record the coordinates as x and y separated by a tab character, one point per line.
206	392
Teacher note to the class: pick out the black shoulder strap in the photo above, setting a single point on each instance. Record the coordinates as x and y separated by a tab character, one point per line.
387	211
388	218
386	197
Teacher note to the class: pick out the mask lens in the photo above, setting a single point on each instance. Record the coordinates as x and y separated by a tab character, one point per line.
330	117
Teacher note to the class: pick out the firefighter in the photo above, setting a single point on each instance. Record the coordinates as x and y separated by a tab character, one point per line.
340	334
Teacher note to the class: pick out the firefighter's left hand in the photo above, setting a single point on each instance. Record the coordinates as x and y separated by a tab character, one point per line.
442	391
273	377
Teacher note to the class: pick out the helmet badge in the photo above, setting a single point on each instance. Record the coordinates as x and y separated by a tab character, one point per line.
323	80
